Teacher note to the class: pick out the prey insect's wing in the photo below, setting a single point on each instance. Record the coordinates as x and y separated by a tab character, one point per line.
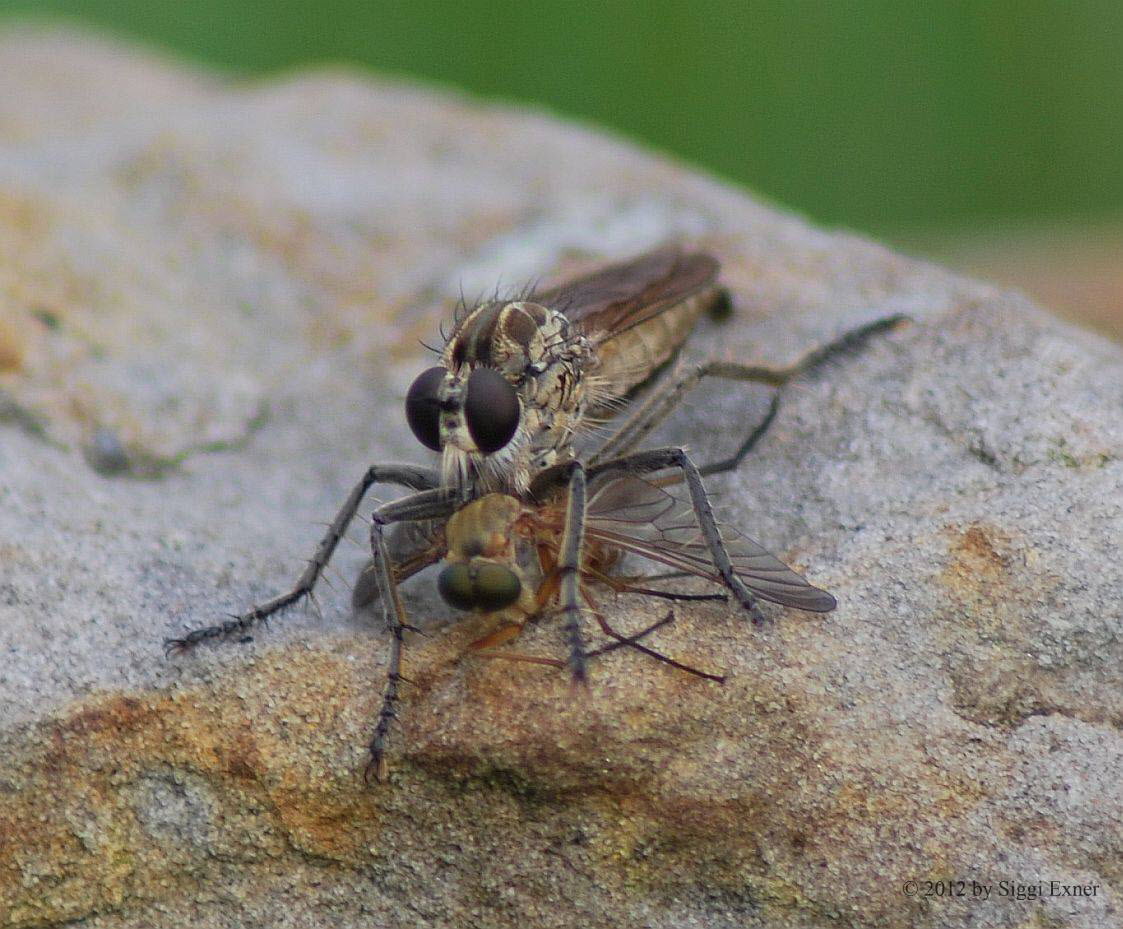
413	547
619	297
635	515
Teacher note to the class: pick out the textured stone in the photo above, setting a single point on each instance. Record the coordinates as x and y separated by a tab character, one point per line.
211	297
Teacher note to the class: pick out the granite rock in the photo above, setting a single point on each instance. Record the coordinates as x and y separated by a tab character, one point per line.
211	300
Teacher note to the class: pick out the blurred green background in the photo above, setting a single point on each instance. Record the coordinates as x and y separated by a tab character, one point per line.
949	127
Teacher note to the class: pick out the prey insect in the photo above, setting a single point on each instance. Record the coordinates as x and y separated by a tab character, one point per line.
519	381
518	560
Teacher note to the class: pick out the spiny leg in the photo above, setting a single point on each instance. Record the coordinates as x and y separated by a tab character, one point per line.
663	400
412	546
659	459
410	476
427	505
394	614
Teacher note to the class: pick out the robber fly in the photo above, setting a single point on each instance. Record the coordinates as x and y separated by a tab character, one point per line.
519	378
509	558
518	381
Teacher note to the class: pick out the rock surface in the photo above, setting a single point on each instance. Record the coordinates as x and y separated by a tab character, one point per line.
211	297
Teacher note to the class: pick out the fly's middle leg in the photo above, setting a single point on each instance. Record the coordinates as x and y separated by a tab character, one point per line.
403	475
569	570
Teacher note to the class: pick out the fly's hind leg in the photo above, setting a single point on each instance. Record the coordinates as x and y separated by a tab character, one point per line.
750	442
663	400
411	476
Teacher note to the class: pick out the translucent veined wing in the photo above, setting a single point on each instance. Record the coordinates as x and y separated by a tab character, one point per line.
635	515
616	298
413	546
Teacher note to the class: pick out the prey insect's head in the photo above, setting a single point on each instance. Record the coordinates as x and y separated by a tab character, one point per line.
479	585
486	570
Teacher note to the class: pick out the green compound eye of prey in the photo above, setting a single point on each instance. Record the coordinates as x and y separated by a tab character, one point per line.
486	587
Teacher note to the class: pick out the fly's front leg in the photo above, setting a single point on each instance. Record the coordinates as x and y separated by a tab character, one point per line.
428	505
411	476
660	459
569	570
665	398
394	613
411	547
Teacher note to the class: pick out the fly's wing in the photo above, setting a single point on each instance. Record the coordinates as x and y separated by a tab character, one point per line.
619	297
638	314
635	515
413	546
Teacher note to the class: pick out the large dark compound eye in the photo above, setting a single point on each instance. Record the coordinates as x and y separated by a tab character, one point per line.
423	407
487	587
491	410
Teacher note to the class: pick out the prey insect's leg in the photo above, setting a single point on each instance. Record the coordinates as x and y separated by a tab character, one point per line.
569	569
656	407
630	585
411	476
619	642
659	459
633	642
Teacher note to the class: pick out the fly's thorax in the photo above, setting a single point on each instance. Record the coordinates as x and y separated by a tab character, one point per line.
518	339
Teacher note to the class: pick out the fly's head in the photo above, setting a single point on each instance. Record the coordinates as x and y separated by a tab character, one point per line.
504	398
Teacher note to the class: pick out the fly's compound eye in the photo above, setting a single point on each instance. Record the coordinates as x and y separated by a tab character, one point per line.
491	409
423	407
487	587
